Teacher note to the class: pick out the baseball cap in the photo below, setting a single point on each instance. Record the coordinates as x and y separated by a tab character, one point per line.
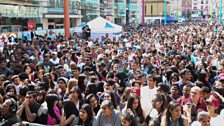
213	101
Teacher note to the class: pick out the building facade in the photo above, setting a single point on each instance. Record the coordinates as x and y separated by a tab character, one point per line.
120	12
15	15
133	11
186	8
155	9
54	17
90	9
107	9
175	8
200	8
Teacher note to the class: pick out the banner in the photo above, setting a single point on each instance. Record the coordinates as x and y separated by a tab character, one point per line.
4	37
31	25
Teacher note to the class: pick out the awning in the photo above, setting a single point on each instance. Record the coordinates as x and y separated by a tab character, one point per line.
61	16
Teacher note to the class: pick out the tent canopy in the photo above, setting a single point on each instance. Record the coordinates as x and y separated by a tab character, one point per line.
82	25
170	19
100	25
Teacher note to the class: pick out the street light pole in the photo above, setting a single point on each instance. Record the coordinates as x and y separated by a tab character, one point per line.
66	19
164	12
220	12
143	12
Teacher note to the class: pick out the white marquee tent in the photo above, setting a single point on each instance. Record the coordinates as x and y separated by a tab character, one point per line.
99	27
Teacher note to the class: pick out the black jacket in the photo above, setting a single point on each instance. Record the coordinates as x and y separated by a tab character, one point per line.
10	121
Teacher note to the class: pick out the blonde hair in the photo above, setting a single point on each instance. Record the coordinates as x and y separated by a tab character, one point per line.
71	83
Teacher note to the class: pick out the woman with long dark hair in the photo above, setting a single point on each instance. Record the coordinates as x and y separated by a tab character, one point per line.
85	117
10	88
158	108
109	95
135	106
53	111
173	115
82	82
91	99
204	78
27	69
174	77
72	106
91	88
48	80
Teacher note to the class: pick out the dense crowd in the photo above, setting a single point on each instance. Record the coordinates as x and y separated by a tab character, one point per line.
152	75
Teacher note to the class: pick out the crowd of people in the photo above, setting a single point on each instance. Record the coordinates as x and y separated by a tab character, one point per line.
152	75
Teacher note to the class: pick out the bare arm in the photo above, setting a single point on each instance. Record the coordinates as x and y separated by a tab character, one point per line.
30	116
186	122
144	114
69	120
20	111
64	121
163	121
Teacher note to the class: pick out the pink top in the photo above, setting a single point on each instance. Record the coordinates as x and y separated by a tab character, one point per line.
51	120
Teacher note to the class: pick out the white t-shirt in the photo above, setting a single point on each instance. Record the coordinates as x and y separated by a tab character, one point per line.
146	97
217	121
55	61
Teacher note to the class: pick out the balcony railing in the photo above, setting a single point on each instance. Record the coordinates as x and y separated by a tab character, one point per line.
61	10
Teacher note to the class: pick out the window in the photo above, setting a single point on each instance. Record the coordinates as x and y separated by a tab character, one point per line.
145	8
194	12
50	20
151	9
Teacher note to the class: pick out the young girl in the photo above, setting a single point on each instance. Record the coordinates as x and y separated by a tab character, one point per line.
173	115
128	119
135	106
54	115
85	117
